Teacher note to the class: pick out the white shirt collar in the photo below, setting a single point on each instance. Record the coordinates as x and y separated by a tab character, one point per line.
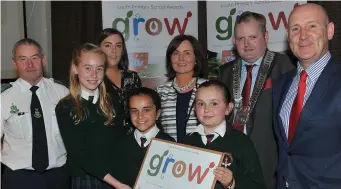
25	86
86	94
219	131
149	135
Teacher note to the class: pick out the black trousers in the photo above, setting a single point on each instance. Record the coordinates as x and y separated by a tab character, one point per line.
56	178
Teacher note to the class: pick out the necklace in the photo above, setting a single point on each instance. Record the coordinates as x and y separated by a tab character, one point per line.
180	89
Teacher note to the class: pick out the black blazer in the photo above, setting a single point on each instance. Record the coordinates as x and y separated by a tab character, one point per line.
261	130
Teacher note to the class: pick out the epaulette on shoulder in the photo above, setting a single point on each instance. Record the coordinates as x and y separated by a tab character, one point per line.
6	86
59	82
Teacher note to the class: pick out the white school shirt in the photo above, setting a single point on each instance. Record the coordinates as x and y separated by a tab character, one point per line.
219	131
149	135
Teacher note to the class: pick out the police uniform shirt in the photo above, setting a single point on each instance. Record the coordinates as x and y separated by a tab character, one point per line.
16	123
219	131
149	135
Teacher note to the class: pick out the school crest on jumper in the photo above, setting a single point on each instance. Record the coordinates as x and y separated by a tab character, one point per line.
228	160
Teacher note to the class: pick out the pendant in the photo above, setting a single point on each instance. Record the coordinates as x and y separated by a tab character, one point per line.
37	113
243	114
227	161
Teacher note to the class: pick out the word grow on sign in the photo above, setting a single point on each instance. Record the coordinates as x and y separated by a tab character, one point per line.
179	168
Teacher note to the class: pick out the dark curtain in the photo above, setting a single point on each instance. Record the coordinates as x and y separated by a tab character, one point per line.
73	23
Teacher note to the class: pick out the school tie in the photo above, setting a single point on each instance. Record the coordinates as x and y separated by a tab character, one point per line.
143	141
40	157
245	94
91	98
297	106
209	138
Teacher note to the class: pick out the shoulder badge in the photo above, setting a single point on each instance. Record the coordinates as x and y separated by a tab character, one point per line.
59	82
6	86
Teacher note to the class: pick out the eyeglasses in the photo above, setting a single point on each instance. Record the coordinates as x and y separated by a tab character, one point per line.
25	59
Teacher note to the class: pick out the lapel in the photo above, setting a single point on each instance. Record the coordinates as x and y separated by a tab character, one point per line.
317	97
283	89
190	106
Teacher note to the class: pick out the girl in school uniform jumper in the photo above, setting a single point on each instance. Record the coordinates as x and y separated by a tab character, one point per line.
89	122
242	168
144	106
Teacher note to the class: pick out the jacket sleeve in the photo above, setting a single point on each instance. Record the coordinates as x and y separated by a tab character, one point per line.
250	174
85	158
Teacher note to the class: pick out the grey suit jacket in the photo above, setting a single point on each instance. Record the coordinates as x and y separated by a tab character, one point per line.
261	130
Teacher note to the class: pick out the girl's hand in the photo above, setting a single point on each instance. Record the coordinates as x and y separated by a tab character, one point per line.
123	186
223	175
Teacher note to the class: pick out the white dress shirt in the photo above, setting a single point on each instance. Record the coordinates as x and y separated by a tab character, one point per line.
16	125
149	135
86	94
219	131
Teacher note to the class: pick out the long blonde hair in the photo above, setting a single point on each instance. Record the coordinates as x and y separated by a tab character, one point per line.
106	107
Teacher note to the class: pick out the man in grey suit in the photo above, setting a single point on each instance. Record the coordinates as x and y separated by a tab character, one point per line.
249	77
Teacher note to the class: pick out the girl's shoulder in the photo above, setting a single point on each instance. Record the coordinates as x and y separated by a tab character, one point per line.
201	80
162	135
65	103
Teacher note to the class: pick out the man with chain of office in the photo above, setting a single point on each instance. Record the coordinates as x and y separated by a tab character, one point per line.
250	79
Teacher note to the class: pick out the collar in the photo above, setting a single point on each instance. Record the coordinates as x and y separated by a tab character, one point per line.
25	86
219	131
149	135
257	63
316	68
86	94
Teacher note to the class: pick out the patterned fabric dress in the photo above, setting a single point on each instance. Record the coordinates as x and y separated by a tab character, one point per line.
130	80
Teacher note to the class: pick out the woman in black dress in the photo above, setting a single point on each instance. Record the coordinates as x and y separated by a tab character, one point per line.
119	80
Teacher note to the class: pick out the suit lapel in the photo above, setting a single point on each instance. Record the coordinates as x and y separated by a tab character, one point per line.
283	90
317	96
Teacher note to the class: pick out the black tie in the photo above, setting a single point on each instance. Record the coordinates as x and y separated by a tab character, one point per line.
40	157
143	141
91	98
209	138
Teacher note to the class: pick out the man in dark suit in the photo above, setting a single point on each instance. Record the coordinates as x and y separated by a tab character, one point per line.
307	104
250	80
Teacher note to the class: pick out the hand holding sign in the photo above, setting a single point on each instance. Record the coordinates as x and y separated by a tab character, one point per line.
223	175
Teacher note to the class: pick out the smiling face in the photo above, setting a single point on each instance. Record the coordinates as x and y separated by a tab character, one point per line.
29	63
112	46
250	40
211	106
308	33
143	112
183	58
90	71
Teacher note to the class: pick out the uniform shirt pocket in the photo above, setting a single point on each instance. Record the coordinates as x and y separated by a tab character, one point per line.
19	125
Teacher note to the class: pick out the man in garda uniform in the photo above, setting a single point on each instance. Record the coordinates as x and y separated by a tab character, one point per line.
33	153
250	80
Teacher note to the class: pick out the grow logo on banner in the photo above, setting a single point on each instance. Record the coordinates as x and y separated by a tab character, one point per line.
152	26
224	25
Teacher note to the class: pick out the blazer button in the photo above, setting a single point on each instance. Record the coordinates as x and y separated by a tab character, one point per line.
289	154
